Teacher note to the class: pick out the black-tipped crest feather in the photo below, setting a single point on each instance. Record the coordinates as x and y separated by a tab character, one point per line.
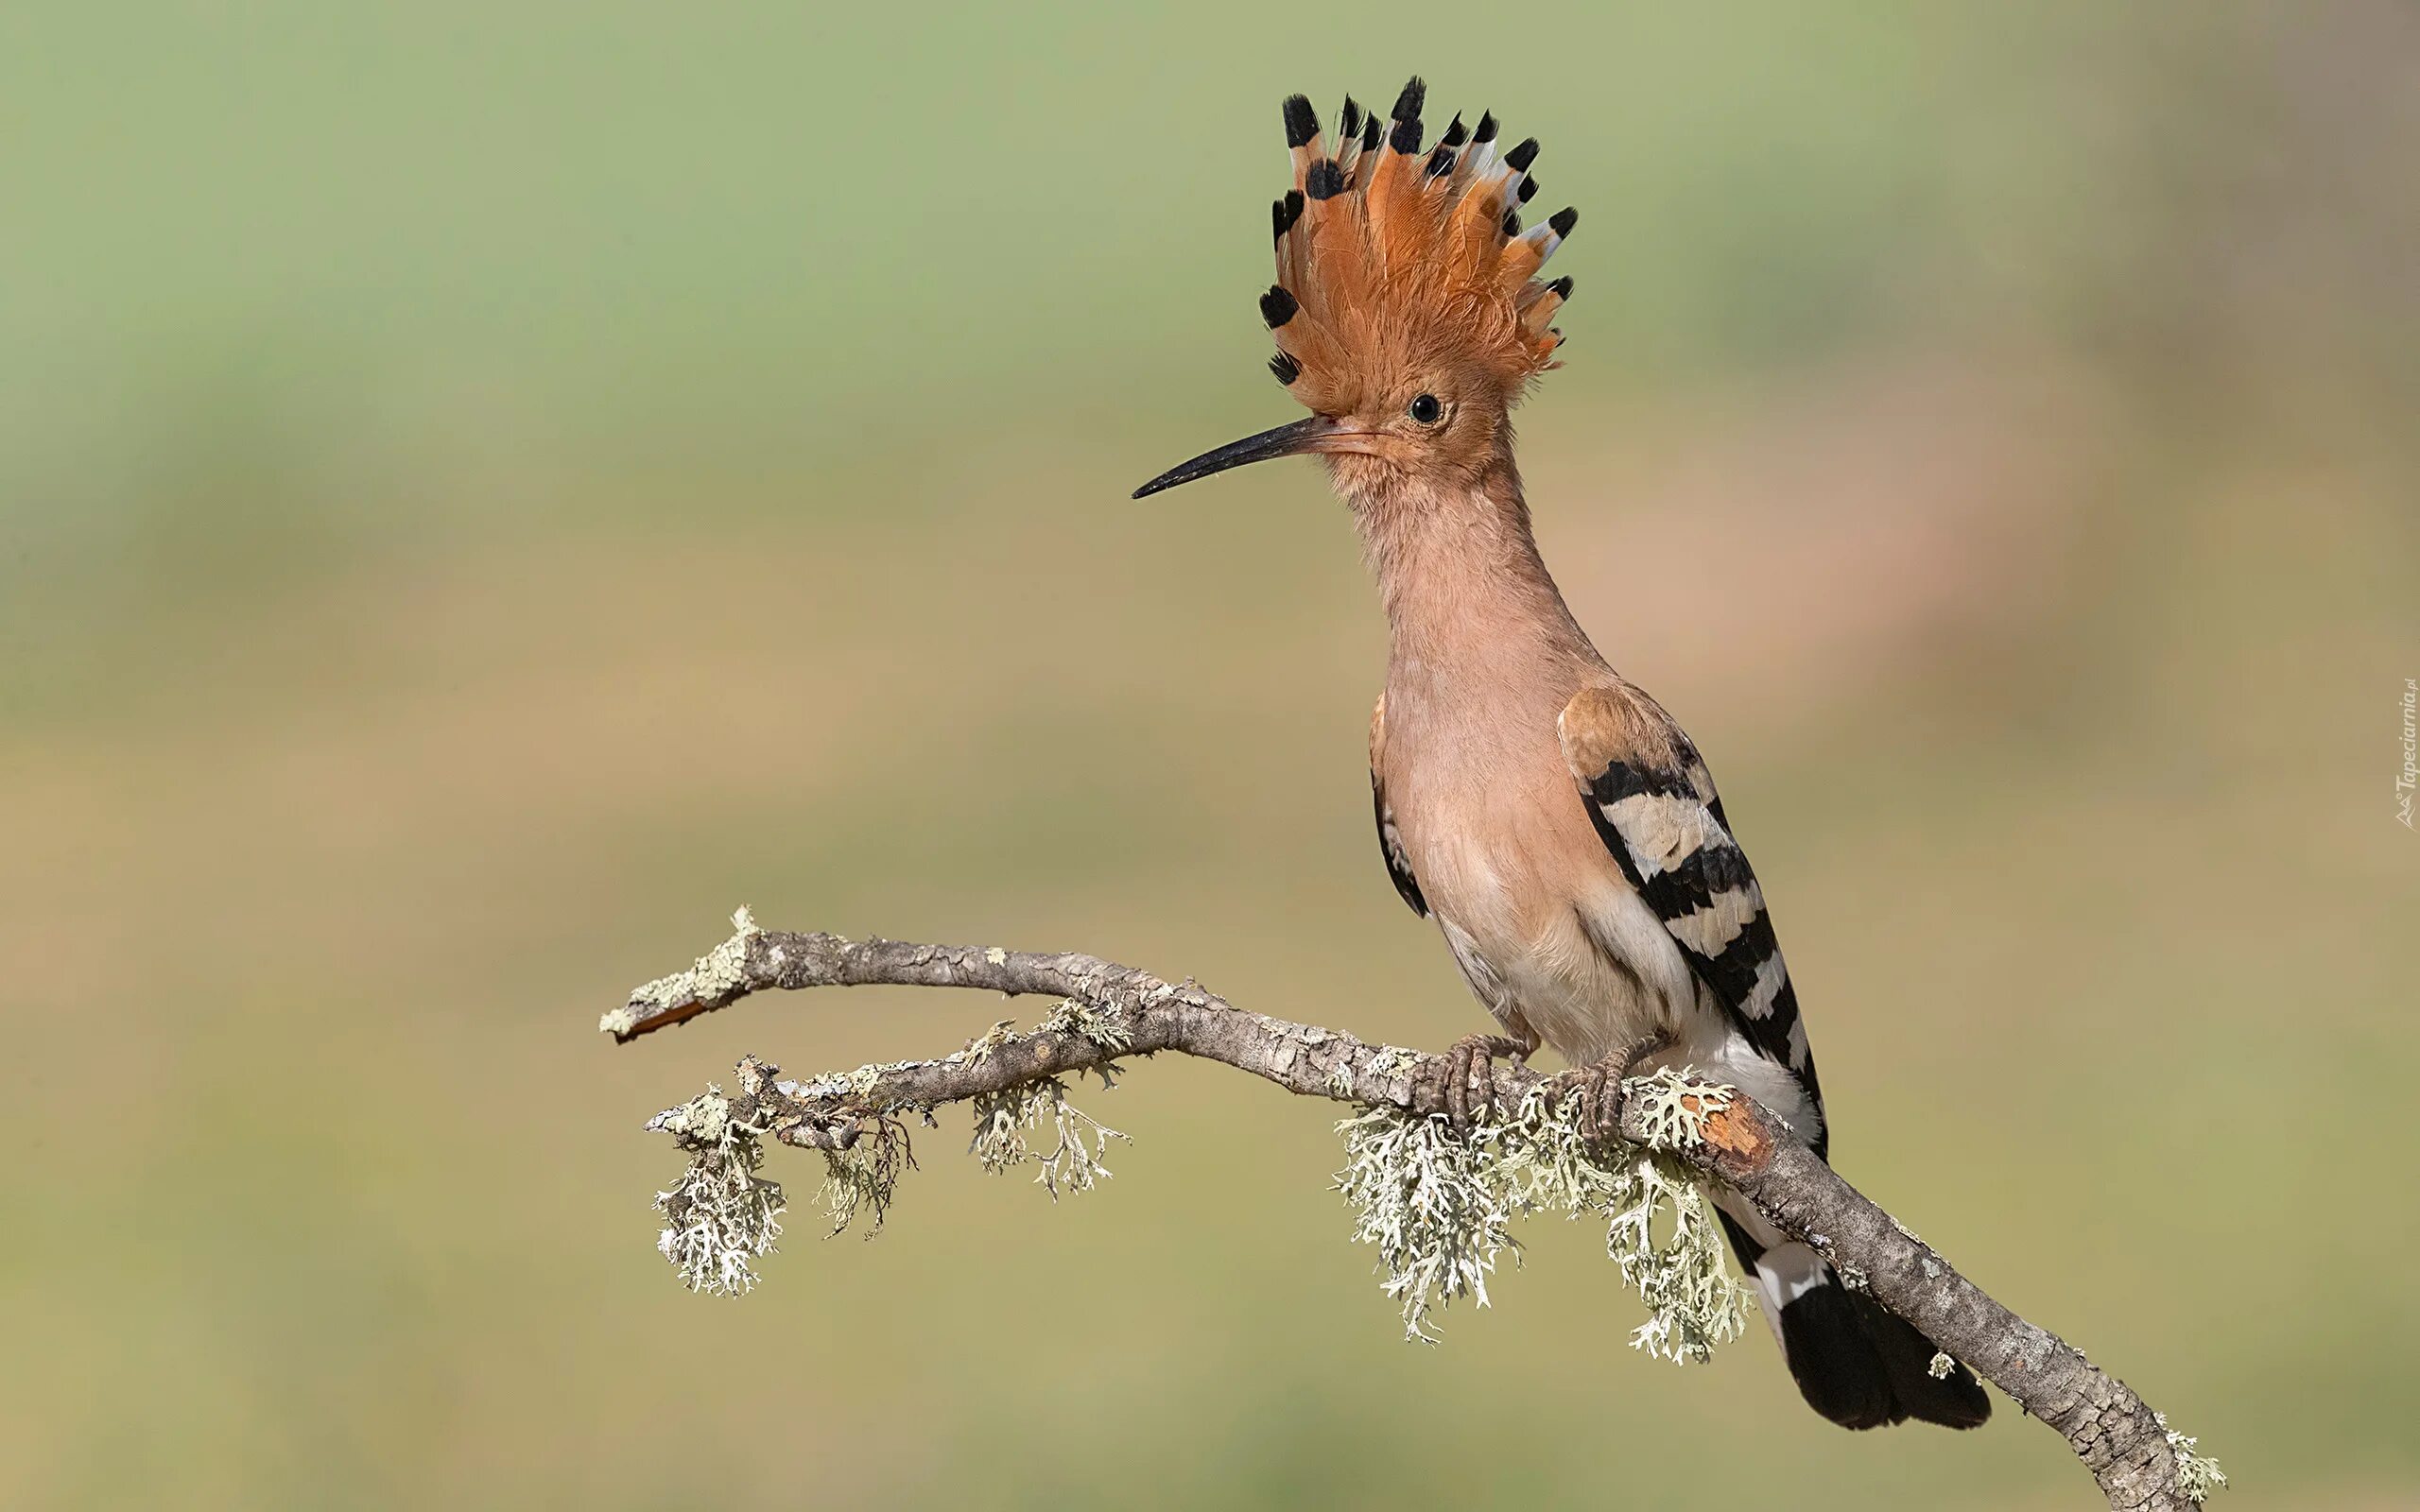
1395	257
1301	122
1283	214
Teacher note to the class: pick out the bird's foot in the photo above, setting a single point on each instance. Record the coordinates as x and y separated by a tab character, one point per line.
1470	1073
1599	1087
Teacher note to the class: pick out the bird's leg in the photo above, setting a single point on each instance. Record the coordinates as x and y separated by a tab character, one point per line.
1470	1066
1599	1086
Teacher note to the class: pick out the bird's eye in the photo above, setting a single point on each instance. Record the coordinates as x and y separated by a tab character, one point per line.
1427	410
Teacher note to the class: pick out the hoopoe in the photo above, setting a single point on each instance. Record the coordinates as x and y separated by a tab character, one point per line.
1553	820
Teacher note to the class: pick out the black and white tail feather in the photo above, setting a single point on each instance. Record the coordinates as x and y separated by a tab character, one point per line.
1855	1361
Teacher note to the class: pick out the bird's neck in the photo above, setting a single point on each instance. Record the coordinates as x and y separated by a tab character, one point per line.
1466	594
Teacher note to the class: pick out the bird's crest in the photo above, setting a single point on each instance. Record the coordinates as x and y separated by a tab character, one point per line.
1392	258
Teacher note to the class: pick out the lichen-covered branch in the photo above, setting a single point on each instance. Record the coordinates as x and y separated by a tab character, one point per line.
1440	1196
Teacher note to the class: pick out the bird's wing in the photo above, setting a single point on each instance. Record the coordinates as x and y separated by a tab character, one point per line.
1653	803
1389	842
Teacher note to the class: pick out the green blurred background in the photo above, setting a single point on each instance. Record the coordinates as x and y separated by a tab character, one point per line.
484	491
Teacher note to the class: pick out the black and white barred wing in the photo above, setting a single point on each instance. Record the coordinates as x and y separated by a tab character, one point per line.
1654	802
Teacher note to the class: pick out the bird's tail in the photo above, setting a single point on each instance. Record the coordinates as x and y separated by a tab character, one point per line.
1854	1362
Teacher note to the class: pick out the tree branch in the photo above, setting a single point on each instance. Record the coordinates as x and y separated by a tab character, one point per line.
1121	1012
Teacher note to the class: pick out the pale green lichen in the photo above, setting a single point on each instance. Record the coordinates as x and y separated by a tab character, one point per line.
1389	1063
1547	1167
1003	1121
857	1087
1340	1076
859	1181
703	1120
1684	1279
979	1048
716	974
1674	1106
1104	1027
1437	1203
1427	1197
2197	1475
723	1214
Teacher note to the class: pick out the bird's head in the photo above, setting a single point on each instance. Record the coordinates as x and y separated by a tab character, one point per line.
1407	312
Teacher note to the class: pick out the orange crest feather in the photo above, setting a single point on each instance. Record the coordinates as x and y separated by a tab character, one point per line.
1392	260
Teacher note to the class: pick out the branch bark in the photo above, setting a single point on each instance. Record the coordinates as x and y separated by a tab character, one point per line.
2121	1441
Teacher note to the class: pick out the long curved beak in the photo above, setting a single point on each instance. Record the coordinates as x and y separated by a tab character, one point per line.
1316	434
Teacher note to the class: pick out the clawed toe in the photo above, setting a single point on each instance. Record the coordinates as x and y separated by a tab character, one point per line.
1470	1075
1598	1089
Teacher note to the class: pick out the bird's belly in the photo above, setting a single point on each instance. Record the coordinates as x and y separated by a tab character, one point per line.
1609	979
1588	971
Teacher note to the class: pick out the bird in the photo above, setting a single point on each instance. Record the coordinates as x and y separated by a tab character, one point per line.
1556	825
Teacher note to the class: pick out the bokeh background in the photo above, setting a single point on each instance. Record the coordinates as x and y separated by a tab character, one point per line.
484	491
